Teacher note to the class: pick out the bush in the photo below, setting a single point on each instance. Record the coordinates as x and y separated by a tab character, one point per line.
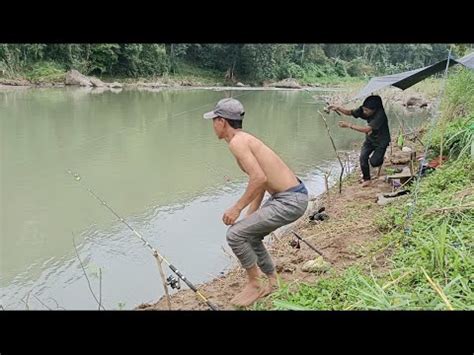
456	123
46	72
358	67
103	58
290	70
459	97
458	138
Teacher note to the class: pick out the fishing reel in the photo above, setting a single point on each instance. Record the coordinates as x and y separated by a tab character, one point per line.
173	282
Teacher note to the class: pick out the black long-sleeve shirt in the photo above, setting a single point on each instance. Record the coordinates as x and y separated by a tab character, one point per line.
380	135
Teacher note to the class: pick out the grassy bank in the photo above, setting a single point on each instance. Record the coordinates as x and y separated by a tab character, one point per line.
430	255
43	73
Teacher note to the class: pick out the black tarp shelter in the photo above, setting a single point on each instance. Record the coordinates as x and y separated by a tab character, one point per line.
406	79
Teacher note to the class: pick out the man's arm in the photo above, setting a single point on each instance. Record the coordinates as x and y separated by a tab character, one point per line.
363	129
340	109
354	113
257	179
255	204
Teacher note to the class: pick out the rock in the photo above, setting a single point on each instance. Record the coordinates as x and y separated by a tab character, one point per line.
410	102
142	84
288	83
416	101
399	158
317	265
144	306
239	84
406	149
99	90
115	85
73	77
284	268
156	85
384	199
97	82
14	82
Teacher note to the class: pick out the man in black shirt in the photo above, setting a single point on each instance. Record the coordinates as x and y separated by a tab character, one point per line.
377	134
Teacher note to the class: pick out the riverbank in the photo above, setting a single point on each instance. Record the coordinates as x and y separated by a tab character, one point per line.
342	89
190	77
371	258
415	253
335	238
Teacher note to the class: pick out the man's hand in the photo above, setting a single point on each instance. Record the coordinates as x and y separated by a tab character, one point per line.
231	215
344	124
333	107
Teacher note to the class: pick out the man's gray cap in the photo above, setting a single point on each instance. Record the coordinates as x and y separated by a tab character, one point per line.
227	108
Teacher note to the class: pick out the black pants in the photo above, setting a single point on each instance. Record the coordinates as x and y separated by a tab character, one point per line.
375	160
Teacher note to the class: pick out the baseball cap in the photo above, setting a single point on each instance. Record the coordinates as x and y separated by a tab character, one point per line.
228	108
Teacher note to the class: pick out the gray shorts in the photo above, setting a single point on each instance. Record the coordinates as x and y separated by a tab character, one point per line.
245	237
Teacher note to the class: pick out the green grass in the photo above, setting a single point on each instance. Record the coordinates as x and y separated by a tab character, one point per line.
187	71
440	245
42	72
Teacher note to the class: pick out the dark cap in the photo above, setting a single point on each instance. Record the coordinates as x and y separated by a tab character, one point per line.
373	102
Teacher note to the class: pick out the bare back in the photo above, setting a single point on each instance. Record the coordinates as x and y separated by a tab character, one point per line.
279	176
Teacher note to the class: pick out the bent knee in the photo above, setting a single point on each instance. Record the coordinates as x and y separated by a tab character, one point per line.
376	162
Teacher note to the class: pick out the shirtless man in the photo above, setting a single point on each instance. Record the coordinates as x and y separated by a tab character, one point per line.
267	173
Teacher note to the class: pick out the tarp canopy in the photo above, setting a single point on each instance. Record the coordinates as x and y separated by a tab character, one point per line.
406	79
467	61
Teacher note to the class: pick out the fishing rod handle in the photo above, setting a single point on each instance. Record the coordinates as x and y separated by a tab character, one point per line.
212	306
182	277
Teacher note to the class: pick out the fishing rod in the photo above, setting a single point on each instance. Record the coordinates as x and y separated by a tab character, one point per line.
304	241
325	109
170	280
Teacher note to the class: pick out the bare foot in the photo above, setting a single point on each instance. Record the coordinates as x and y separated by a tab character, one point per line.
366	183
249	295
270	287
265	291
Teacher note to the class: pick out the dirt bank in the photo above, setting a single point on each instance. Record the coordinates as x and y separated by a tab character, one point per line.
343	239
